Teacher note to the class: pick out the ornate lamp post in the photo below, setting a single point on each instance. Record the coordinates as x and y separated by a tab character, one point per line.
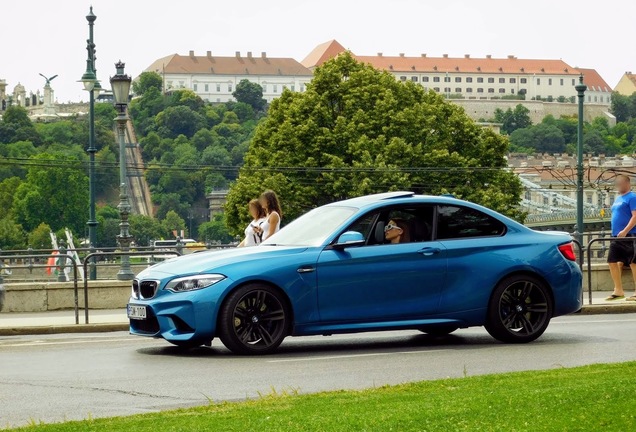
120	84
580	90
92	86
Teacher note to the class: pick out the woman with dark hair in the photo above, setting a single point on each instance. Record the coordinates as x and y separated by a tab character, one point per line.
397	231
269	201
253	238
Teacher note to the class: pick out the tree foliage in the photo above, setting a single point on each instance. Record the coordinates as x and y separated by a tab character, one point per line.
511	120
250	93
356	131
146	81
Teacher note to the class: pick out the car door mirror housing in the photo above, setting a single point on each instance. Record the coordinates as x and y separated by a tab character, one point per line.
349	239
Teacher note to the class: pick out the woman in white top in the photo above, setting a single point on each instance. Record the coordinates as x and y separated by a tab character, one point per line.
253	238
269	201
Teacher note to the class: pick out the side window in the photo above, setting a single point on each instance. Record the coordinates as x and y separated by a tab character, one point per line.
455	222
409	225
365	225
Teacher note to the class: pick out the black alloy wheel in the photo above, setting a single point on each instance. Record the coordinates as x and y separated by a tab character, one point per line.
520	309
254	320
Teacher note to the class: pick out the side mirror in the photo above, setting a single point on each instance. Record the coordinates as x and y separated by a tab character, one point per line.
349	239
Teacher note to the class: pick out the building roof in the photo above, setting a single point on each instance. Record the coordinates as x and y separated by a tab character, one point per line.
322	53
237	65
594	81
466	64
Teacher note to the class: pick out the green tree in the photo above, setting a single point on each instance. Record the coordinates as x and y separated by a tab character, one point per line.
357	130
621	107
511	120
40	237
215	230
7	191
145	81
542	138
145	228
250	93
12	236
55	192
173	222
178	120
16	126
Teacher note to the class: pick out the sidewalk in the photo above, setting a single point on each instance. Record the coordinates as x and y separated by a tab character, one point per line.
106	320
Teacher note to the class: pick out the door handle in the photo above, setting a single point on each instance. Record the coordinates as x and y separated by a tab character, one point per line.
306	269
429	251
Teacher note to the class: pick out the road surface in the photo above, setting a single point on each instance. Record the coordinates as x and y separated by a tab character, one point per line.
58	377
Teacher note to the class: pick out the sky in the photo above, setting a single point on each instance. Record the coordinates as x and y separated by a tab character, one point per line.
49	37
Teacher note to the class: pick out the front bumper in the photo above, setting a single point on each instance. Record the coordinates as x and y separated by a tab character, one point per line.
180	317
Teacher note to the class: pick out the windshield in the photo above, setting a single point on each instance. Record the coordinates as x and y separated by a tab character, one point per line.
313	228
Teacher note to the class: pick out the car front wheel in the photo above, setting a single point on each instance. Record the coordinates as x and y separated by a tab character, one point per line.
520	309
253	320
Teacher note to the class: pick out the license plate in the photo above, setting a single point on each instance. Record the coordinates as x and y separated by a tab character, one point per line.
136	312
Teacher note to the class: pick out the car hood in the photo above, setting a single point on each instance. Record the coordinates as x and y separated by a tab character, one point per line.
207	261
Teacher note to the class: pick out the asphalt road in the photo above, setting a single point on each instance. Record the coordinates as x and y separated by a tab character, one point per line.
58	377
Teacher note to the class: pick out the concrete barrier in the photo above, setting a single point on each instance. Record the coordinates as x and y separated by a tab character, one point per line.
50	296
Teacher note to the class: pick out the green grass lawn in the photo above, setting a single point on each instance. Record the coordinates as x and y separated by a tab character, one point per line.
590	398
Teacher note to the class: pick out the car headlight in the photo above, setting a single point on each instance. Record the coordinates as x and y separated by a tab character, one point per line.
191	283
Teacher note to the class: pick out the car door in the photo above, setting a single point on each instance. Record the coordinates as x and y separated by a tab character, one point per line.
379	282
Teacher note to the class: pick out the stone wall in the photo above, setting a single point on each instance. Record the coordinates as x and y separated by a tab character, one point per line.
485	109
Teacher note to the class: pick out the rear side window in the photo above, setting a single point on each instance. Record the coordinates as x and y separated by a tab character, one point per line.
456	222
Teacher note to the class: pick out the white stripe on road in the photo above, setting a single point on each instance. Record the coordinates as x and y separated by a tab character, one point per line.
42	343
592	321
346	356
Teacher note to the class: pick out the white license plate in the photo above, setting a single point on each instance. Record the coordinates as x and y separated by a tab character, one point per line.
136	312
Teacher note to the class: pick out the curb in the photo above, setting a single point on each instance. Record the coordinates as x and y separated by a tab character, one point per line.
71	328
599	309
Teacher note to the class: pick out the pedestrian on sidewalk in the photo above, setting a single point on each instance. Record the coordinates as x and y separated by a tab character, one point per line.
622	252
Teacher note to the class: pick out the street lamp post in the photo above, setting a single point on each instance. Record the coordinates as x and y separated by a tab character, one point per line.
120	84
580	91
92	86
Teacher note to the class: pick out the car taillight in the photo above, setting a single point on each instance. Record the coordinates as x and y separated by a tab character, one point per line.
567	250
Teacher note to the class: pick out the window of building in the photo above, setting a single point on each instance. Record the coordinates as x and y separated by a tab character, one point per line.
561	81
229	88
480	80
458	79
513	80
436	79
502	80
264	88
436	89
589	98
595	99
512	91
195	87
538	81
414	79
469	89
491	80
573	81
218	99
491	90
207	88
502	90
292	87
447	79
549	81
218	88
456	222
402	78
447	89
275	89
480	90
523	80
458	90
302	88
469	79
424	79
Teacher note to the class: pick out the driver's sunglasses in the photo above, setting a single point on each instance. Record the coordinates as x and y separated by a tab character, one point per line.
389	227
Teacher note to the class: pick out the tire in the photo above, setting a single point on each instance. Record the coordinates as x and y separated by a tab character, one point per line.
519	310
254	319
439	330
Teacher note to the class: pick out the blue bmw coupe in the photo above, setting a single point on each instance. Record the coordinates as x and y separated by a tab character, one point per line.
380	262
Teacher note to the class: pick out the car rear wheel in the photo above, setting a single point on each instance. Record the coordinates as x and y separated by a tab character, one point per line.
254	320
520	309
